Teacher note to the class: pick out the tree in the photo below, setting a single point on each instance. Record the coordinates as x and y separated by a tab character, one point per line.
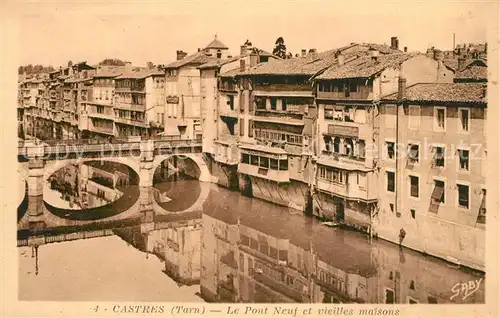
112	62
280	48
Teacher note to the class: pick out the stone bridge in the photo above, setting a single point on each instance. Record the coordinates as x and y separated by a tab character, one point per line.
142	156
39	222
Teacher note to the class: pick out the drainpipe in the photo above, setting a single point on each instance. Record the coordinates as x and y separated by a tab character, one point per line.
399	176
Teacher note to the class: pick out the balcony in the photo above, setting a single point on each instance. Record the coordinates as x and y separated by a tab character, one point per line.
106	115
130	121
339	178
140	90
361	131
264	162
345	95
102	130
283	89
226	151
130	106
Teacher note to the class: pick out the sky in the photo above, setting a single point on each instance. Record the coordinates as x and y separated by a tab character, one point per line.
52	33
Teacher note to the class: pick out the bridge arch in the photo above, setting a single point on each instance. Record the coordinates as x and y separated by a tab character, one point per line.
54	165
197	158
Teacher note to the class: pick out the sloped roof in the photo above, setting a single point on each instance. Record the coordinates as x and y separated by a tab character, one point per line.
443	92
364	66
216	44
137	73
453	63
231	73
219	62
198	58
109	71
473	72
314	63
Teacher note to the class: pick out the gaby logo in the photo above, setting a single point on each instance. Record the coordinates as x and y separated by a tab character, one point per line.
466	289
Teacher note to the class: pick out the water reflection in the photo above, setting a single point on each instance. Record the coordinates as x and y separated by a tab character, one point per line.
258	252
85	191
231	249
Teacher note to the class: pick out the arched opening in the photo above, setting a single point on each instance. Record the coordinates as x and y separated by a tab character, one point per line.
91	190
176	183
336	145
348	147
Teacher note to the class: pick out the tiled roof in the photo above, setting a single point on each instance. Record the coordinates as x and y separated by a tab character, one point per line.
473	72
364	66
443	92
216	44
135	74
453	63
109	71
198	58
218	62
312	64
231	73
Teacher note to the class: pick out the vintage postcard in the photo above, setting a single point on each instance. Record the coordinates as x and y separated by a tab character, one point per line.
254	158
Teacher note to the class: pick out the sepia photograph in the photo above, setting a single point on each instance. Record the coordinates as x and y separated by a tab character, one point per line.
323	152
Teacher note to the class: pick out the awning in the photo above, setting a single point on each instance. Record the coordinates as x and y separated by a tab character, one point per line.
437	193
483	204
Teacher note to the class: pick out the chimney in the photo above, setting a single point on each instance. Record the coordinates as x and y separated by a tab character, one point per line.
394	43
406	49
313	53
374	55
254	59
180	55
242	65
340	59
401	88
199	50
243	49
303	52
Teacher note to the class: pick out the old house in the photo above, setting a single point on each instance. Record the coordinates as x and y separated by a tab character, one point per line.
432	192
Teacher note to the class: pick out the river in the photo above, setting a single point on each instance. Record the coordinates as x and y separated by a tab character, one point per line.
98	237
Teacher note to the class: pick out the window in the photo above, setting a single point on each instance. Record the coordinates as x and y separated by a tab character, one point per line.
414	117
412	212
464	119
283	104
438	194
440	119
390	149
230	101
414	186
413	152
283	164
389	296
328	113
336	145
391	206
412	285
245	158
463	159
432	300
391	181
273	103
463	196
250	128
438	156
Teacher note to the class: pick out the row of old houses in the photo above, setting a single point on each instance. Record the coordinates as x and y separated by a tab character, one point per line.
366	135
